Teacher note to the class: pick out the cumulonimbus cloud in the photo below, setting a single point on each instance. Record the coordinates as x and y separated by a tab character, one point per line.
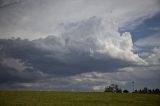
97	37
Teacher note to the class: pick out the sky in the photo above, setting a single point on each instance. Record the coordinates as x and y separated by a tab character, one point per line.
79	45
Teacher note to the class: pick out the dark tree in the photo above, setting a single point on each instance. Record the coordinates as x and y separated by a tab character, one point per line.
135	91
125	91
119	91
145	90
109	89
157	90
113	88
140	91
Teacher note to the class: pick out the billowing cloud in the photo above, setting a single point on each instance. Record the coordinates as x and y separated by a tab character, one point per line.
154	58
96	37
87	48
94	41
90	52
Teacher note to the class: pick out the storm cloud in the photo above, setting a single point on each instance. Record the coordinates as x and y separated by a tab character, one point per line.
82	51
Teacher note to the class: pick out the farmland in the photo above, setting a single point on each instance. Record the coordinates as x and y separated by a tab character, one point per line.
51	98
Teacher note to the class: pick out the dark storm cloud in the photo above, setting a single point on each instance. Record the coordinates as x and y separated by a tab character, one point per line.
9	75
90	45
86	55
7	3
15	56
47	62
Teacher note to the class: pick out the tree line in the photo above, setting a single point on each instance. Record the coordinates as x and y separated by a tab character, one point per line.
146	90
116	89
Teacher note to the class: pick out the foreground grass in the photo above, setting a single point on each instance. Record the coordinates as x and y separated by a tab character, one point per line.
48	98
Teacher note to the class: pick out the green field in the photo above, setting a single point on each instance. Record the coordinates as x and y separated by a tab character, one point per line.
48	98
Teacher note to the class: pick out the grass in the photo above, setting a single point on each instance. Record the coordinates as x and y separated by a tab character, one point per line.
49	98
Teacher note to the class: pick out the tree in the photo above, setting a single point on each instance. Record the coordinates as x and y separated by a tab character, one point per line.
125	91
145	90
119	91
140	91
135	91
157	90
109	89
133	85
113	88
149	91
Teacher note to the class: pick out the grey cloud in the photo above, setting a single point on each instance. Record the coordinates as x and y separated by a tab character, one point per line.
89	45
85	50
16	64
148	48
97	81
87	73
68	60
25	19
96	36
151	41
7	3
154	57
10	75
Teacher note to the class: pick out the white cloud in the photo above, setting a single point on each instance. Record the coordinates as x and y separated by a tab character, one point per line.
39	18
98	81
16	64
126	69
98	88
97	37
154	58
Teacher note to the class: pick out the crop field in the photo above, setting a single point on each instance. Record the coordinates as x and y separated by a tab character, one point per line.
50	98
